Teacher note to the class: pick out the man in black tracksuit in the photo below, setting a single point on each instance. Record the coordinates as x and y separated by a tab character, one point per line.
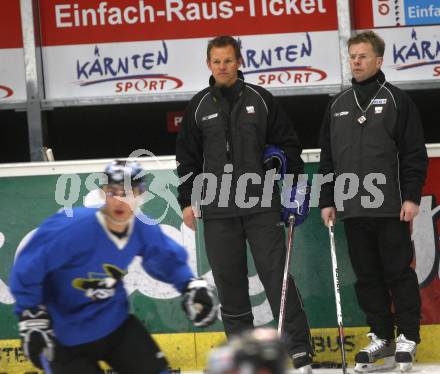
225	129
372	138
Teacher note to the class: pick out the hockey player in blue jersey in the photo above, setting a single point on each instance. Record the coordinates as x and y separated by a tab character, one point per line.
67	282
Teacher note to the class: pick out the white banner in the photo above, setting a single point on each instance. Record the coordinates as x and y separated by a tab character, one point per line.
411	53
388	13
12	80
280	60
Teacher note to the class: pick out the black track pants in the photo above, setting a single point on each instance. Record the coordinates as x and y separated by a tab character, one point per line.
226	250
128	350
381	253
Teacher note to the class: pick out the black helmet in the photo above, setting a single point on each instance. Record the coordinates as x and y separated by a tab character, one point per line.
260	348
117	170
250	352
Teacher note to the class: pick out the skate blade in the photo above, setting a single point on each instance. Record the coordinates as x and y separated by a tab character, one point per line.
305	369
388	364
405	366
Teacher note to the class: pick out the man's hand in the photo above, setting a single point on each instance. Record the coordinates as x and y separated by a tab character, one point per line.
408	211
36	334
199	303
189	217
328	214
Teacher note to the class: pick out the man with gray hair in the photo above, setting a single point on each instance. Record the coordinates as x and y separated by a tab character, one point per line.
373	131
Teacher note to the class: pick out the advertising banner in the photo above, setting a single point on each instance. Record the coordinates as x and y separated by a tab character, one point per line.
111	48
426	238
392	13
114	48
411	30
411	53
45	194
70	22
12	79
285	60
27	200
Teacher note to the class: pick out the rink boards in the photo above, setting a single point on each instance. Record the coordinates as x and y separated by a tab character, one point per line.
31	192
189	351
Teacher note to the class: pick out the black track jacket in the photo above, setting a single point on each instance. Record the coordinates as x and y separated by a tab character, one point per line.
225	138
390	142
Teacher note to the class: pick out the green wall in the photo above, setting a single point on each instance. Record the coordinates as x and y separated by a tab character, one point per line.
26	201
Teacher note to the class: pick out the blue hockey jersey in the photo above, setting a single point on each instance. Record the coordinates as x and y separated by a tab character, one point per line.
75	265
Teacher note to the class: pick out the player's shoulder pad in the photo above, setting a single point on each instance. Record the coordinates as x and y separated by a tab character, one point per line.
64	222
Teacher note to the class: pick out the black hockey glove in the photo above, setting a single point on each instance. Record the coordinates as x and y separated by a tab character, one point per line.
36	333
199	303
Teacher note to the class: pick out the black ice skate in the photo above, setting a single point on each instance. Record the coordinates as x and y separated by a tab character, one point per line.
303	362
405	353
370	358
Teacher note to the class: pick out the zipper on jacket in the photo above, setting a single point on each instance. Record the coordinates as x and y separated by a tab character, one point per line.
228	137
227	119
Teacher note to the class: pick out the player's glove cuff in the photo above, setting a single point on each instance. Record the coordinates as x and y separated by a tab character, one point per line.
35	328
200	303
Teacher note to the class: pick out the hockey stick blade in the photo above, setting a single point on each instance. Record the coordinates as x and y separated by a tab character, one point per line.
337	295
286	276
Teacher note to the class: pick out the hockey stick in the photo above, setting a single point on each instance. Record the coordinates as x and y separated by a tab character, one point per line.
331	232
45	363
197	219
286	276
47	154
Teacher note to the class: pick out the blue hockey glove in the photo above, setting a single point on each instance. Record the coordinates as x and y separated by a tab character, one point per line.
297	200
199	303
36	333
274	158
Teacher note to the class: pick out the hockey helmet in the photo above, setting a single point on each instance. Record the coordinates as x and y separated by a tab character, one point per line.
119	170
252	351
261	348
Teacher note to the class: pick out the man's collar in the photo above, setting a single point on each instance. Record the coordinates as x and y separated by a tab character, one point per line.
378	77
236	88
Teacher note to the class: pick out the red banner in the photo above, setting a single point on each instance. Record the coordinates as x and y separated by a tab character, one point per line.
362	14
67	22
10	25
174	121
430	290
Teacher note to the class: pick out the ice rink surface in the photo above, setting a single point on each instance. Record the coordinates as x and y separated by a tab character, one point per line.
417	368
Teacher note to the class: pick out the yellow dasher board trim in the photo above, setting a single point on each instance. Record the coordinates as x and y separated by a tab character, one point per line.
189	351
